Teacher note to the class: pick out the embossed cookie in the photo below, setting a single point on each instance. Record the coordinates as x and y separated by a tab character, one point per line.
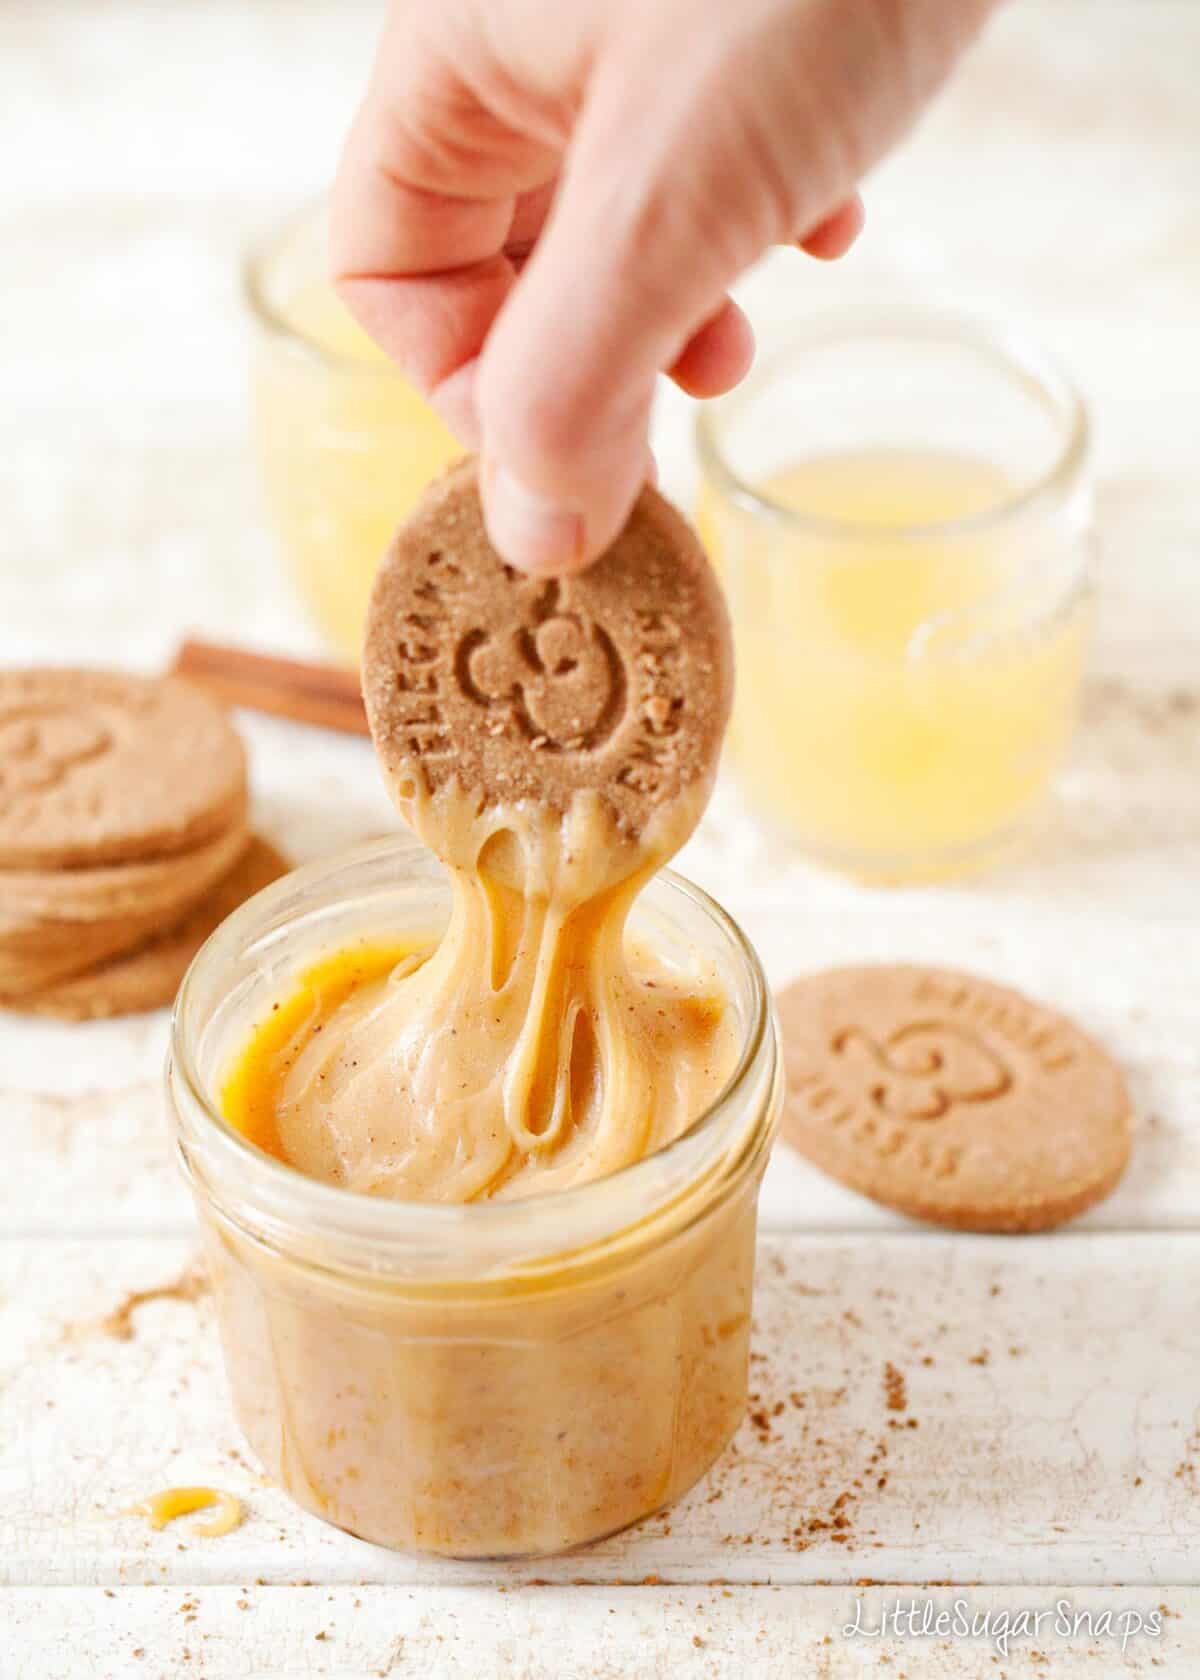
57	923
37	958
149	977
618	680
158	886
950	1098
98	768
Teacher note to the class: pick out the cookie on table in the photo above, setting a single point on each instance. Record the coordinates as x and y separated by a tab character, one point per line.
149	977
73	919
162	885
618	680
97	767
949	1098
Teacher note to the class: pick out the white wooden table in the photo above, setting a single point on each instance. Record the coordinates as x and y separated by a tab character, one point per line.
1051	1445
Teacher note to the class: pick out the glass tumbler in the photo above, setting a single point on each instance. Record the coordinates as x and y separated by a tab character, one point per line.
494	1379
899	509
344	443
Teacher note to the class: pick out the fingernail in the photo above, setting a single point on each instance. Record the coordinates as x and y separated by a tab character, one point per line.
530	532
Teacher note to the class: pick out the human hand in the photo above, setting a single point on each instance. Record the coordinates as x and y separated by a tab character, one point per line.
540	207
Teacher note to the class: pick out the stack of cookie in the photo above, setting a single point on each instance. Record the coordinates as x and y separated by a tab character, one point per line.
123	838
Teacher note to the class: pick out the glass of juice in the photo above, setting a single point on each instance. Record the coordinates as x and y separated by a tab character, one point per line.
344	443
900	511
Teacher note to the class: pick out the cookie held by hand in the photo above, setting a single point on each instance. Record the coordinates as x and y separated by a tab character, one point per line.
617	681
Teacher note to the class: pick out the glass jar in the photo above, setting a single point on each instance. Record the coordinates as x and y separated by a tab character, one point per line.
345	444
494	1379
899	509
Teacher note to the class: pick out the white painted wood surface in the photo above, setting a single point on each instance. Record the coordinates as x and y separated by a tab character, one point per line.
1056	1453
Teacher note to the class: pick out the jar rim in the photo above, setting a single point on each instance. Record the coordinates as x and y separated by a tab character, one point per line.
1009	351
285	1200
257	259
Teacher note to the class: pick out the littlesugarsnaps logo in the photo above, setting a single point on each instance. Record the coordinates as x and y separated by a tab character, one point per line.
1000	1626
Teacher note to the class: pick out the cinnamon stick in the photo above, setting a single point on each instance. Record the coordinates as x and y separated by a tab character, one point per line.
303	691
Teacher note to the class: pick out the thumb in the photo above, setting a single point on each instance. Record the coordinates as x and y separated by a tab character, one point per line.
696	149
629	267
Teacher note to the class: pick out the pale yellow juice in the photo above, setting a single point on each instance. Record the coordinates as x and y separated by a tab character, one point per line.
904	693
346	446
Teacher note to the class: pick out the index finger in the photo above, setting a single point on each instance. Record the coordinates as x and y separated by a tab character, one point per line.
421	232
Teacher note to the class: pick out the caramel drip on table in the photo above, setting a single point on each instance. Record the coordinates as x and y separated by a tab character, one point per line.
161	1508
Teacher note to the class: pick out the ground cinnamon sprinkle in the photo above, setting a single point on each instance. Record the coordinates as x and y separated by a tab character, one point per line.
814	1471
816	1466
759	1419
190	1285
895	1389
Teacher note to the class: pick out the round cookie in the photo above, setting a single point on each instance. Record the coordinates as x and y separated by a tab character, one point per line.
618	680
38	948
149	977
98	768
28	964
950	1098
158	887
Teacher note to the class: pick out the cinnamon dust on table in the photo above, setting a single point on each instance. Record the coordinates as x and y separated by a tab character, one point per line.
814	1477
1188	1468
895	1389
191	1285
1157	711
